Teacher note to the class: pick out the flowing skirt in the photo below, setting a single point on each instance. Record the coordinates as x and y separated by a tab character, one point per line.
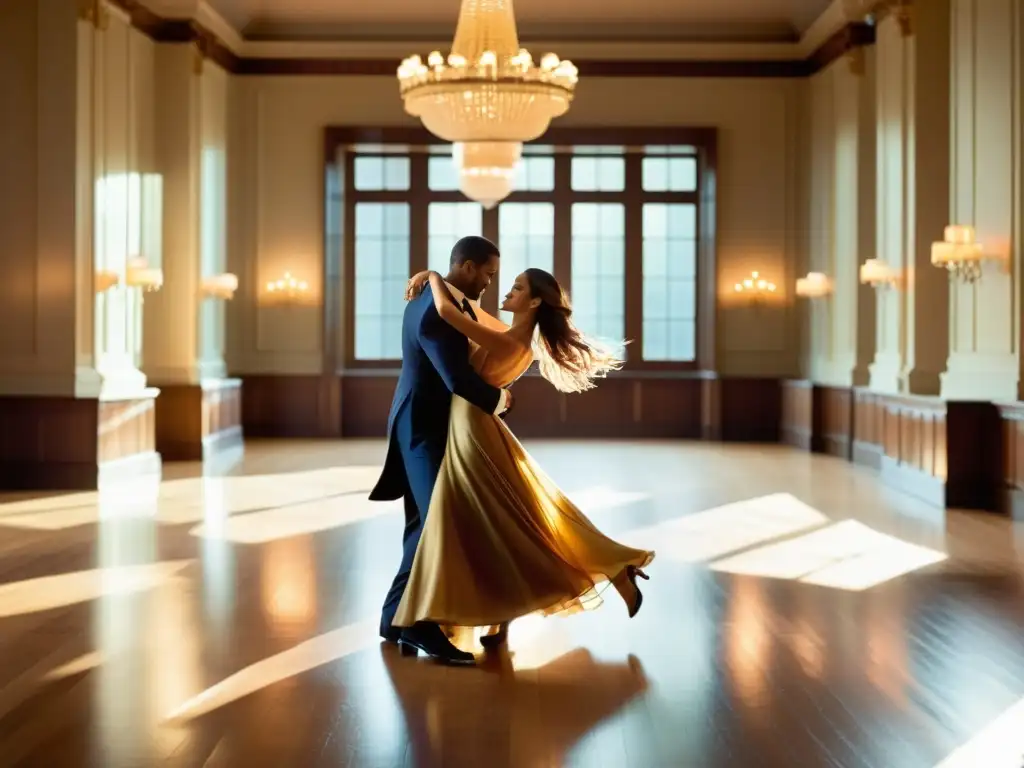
501	540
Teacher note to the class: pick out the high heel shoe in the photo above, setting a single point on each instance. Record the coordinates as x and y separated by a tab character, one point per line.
632	572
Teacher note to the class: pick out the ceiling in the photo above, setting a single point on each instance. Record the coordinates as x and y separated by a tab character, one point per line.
720	20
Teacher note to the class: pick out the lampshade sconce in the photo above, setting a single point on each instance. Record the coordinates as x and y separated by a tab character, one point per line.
105	279
287	289
877	274
959	253
815	286
140	275
219	286
755	287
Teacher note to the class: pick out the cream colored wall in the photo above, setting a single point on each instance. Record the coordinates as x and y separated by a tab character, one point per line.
78	125
986	168
214	101
840	210
894	117
276	199
184	332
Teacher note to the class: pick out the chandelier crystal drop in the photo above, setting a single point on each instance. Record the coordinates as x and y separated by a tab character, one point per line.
488	89
487	169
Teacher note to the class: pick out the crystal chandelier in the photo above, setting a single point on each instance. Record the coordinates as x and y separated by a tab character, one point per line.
488	97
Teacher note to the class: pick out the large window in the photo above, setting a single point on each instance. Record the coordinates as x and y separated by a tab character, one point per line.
599	269
382	268
526	238
670	281
446	223
618	226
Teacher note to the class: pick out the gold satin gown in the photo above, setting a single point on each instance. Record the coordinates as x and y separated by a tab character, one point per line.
501	540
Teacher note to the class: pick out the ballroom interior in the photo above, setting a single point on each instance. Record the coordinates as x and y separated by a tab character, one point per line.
805	219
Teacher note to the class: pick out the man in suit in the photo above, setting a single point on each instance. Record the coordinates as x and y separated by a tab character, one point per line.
435	366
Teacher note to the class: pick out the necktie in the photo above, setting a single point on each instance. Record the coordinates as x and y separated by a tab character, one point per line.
468	309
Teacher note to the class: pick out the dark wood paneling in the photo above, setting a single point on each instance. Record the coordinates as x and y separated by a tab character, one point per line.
817	418
749	409
974	449
868	416
624	405
1011	485
947	453
196	422
291	406
797	425
835	433
64	443
849	38
365	402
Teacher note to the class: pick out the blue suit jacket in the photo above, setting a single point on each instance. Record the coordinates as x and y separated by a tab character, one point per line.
435	365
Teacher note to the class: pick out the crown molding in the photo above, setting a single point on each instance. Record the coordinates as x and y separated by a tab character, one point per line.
221	44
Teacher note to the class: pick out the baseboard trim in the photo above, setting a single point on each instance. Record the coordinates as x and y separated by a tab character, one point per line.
797	438
867	454
148	465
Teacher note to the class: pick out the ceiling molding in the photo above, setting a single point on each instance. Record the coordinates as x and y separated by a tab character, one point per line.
220	44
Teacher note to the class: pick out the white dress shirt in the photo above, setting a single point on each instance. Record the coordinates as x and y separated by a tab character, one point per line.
459	297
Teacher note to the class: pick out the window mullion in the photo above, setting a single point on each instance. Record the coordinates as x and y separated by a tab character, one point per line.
634	266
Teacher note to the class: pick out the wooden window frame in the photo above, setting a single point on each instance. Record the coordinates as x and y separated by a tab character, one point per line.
339	267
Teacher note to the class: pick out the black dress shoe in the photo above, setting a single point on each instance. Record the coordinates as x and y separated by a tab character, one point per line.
429	639
391	634
497	639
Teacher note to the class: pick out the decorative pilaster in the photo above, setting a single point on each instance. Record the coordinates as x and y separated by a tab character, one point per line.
185	324
987	170
912	197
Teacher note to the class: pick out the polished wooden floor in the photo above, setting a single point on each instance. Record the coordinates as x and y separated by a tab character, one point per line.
799	614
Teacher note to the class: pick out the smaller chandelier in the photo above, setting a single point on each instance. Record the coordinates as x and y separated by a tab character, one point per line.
878	274
814	286
959	253
487	169
755	285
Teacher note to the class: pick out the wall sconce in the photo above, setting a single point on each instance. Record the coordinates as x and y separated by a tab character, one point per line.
287	287
139	275
755	286
877	274
959	253
105	279
814	286
219	286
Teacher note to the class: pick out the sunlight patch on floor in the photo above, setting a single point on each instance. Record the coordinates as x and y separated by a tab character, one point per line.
48	592
321	650
715	532
847	555
596	498
999	745
188	500
295	520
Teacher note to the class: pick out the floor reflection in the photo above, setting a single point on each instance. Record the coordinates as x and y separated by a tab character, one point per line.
48	592
321	650
508	717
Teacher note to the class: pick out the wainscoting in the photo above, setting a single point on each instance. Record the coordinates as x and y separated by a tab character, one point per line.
945	452
692	406
1011	486
950	454
199	422
817	418
63	443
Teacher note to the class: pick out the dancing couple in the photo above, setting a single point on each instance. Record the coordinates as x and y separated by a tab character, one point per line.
488	536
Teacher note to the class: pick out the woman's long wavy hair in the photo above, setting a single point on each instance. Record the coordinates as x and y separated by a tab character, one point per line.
566	357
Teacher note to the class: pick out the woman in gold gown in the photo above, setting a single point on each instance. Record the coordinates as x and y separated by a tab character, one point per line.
500	539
